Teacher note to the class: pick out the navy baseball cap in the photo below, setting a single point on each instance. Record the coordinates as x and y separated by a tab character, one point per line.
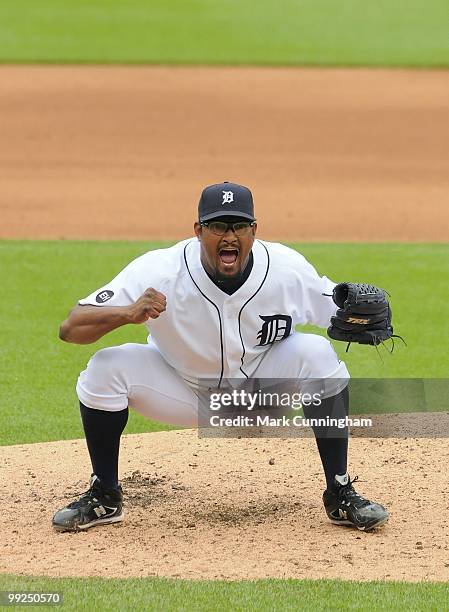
226	199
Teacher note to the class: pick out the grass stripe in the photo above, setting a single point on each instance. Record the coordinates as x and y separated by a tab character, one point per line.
165	594
43	280
285	32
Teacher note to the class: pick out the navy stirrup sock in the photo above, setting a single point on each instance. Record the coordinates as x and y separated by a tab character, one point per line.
103	430
332	442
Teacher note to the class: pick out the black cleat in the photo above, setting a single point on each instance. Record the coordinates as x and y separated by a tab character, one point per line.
98	506
344	506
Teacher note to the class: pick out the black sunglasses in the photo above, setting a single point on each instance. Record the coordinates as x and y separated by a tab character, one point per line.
220	227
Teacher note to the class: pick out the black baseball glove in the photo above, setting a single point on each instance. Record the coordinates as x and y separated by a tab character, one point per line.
363	315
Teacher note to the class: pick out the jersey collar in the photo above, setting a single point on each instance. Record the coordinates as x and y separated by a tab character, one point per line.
192	252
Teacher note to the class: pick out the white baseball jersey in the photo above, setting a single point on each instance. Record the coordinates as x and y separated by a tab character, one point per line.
206	333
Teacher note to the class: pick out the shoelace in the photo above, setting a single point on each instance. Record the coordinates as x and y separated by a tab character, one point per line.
86	497
350	494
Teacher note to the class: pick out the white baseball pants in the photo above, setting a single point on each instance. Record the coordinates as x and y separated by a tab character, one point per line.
136	375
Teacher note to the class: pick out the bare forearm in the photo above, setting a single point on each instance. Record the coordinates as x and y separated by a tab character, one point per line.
87	324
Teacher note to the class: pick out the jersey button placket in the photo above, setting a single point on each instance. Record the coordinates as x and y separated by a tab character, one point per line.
231	339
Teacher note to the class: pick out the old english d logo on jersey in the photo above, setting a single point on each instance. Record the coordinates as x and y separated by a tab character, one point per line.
275	328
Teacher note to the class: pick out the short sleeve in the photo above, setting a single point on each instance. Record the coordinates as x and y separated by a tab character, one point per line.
122	290
316	301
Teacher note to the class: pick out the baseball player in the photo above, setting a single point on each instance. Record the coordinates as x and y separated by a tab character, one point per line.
222	305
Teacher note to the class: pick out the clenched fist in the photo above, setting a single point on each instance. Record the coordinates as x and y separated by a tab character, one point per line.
149	306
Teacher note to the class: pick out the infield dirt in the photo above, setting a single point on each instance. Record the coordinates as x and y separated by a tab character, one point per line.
123	153
208	508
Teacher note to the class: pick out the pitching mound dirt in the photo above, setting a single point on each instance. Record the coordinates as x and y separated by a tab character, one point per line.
122	152
232	509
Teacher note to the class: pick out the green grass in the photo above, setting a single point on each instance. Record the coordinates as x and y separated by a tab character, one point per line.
282	32
163	594
43	280
413	275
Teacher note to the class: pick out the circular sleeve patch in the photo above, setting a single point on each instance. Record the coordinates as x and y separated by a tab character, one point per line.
104	296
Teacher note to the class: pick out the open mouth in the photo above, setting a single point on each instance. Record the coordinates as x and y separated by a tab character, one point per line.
228	256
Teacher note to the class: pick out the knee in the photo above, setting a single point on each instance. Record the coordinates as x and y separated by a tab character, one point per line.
103	384
102	359
104	363
318	356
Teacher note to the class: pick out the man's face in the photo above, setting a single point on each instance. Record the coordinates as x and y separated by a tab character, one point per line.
225	256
